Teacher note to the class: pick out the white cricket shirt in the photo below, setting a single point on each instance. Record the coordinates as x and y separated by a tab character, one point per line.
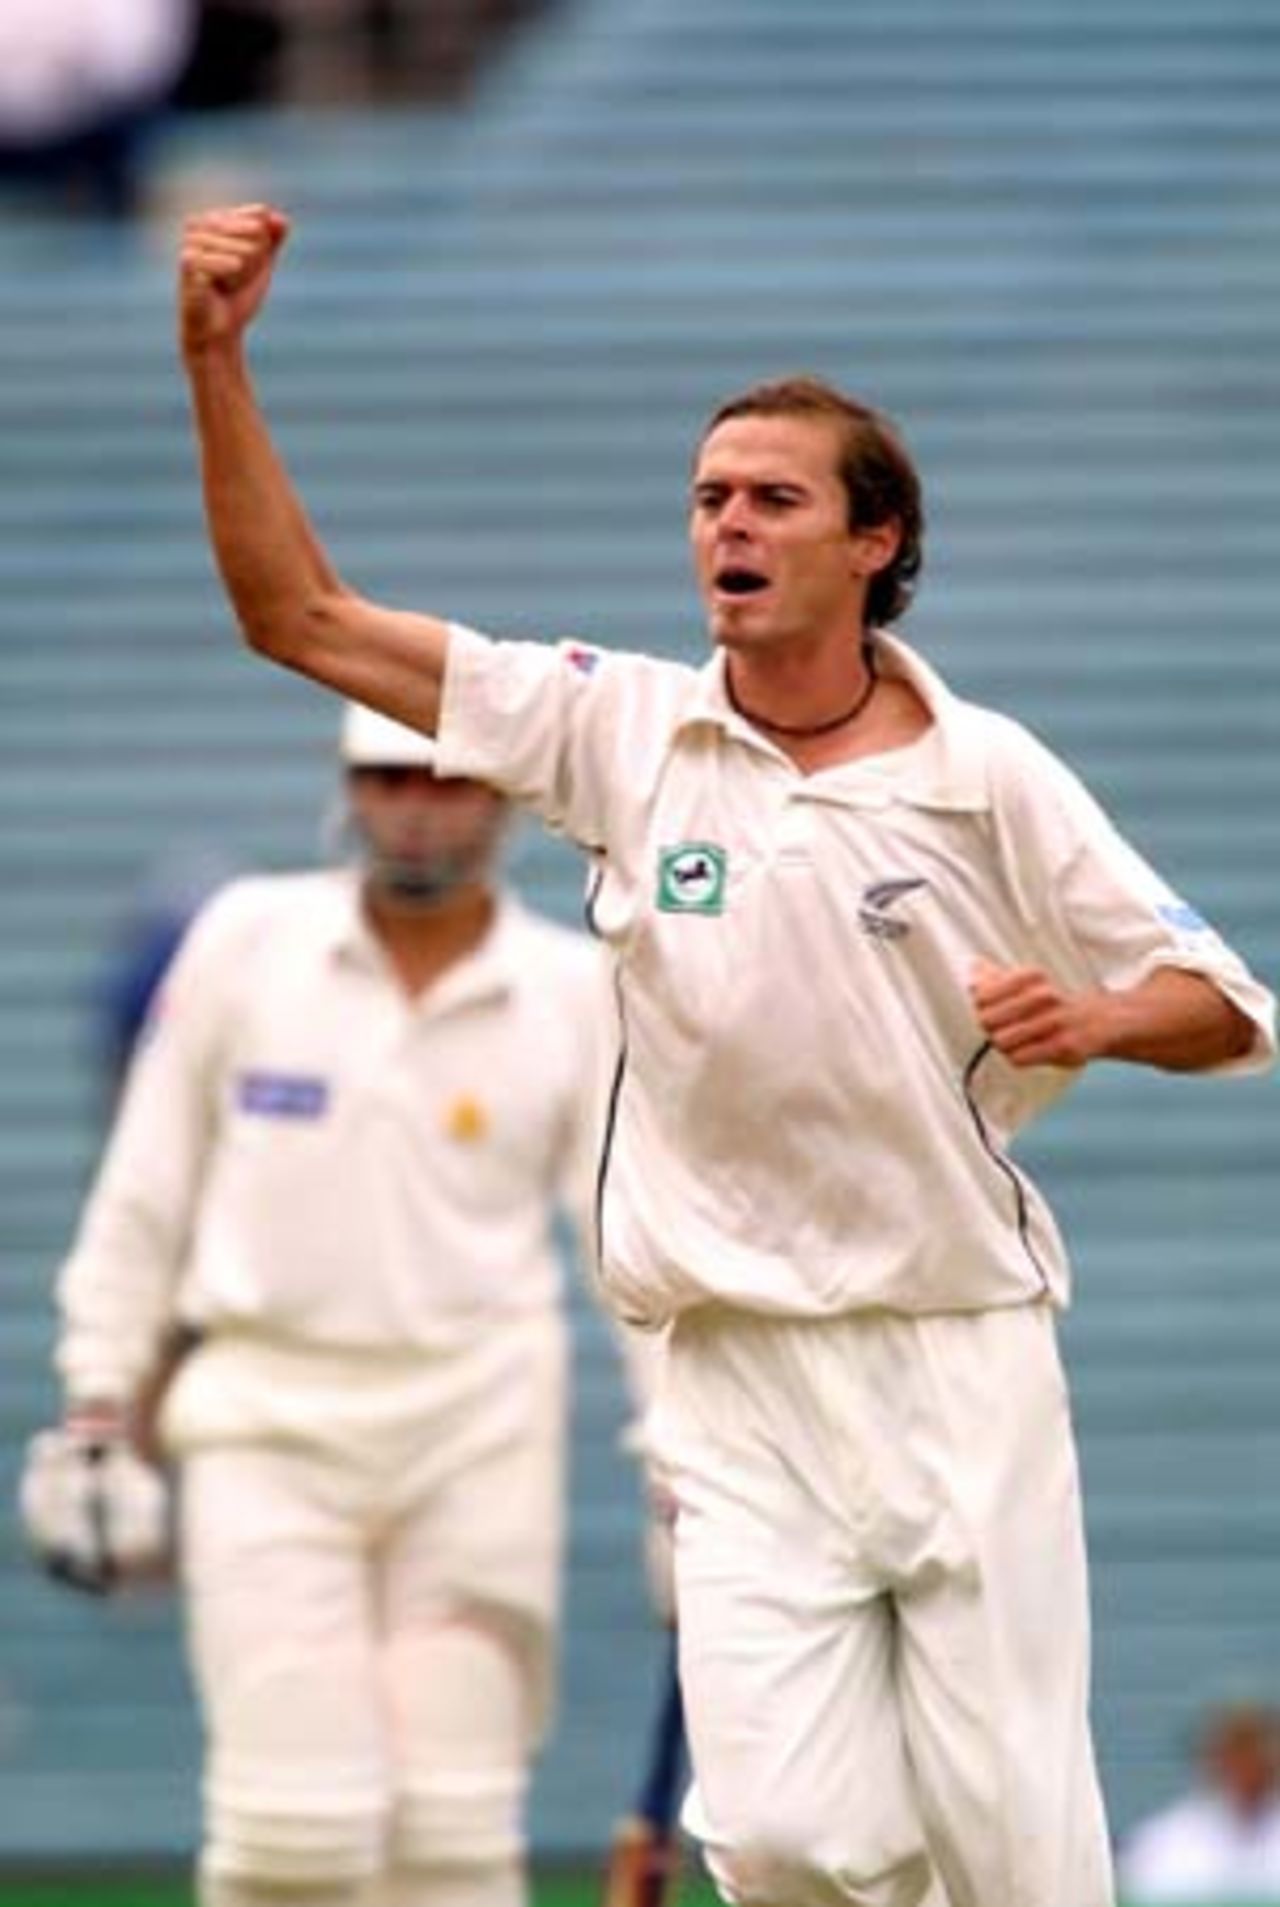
806	1117
307	1156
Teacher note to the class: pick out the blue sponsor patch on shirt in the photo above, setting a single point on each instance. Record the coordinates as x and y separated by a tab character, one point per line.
1183	919
282	1095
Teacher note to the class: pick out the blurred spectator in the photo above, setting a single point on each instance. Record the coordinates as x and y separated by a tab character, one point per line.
173	889
432	51
82	83
393	49
237	60
1221	1841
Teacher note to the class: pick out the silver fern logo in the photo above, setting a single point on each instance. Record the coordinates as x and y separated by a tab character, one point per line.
877	913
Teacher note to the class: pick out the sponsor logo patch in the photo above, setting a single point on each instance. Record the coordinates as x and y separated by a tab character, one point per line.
1182	918
282	1095
691	878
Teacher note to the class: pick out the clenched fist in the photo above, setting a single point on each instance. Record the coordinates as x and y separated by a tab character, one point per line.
226	263
1029	1018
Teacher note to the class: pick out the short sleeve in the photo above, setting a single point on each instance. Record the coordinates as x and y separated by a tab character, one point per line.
536	720
573	732
1107	917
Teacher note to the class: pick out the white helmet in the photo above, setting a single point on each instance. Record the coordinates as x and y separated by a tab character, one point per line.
370	740
455	850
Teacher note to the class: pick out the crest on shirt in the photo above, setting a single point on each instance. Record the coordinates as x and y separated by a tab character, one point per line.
466	1120
877	911
691	878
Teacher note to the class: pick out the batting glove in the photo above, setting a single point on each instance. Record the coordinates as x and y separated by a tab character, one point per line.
96	1516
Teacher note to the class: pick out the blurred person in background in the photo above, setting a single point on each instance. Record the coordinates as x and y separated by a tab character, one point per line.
392	50
174	888
83	84
317	1273
1221	1841
238	59
864	932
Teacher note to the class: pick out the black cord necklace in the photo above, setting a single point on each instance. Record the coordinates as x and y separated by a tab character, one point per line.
819	728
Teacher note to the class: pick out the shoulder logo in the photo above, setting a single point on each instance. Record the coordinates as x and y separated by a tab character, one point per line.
580	657
1182	918
877	913
691	878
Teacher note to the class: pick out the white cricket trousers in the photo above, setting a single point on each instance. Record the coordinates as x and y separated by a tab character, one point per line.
883	1610
371	1555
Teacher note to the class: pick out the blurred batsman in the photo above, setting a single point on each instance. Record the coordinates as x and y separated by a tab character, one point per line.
317	1273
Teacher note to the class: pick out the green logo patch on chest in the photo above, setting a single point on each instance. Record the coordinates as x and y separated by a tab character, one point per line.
691	878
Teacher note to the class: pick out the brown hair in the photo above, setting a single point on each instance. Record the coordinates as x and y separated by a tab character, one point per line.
878	475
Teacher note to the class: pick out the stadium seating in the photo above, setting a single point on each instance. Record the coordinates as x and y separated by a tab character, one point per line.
1045	236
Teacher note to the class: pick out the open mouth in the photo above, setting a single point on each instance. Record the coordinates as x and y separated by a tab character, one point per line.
741	582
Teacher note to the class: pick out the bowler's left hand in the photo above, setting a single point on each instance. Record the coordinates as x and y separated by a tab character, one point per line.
1032	1020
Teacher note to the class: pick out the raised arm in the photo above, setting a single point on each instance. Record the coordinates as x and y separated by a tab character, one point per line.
291	603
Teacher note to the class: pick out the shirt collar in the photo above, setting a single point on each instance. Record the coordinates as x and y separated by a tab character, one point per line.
953	775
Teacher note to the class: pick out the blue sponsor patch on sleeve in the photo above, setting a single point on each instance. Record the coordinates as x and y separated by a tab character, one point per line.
1183	919
282	1095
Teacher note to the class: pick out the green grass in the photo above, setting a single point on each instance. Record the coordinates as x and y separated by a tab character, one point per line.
88	1888
580	1888
90	1891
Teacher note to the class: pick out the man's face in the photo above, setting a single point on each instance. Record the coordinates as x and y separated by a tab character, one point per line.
423	833
1243	1756
773	552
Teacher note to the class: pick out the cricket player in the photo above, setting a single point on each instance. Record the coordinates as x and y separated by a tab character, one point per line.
325	1213
863	931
